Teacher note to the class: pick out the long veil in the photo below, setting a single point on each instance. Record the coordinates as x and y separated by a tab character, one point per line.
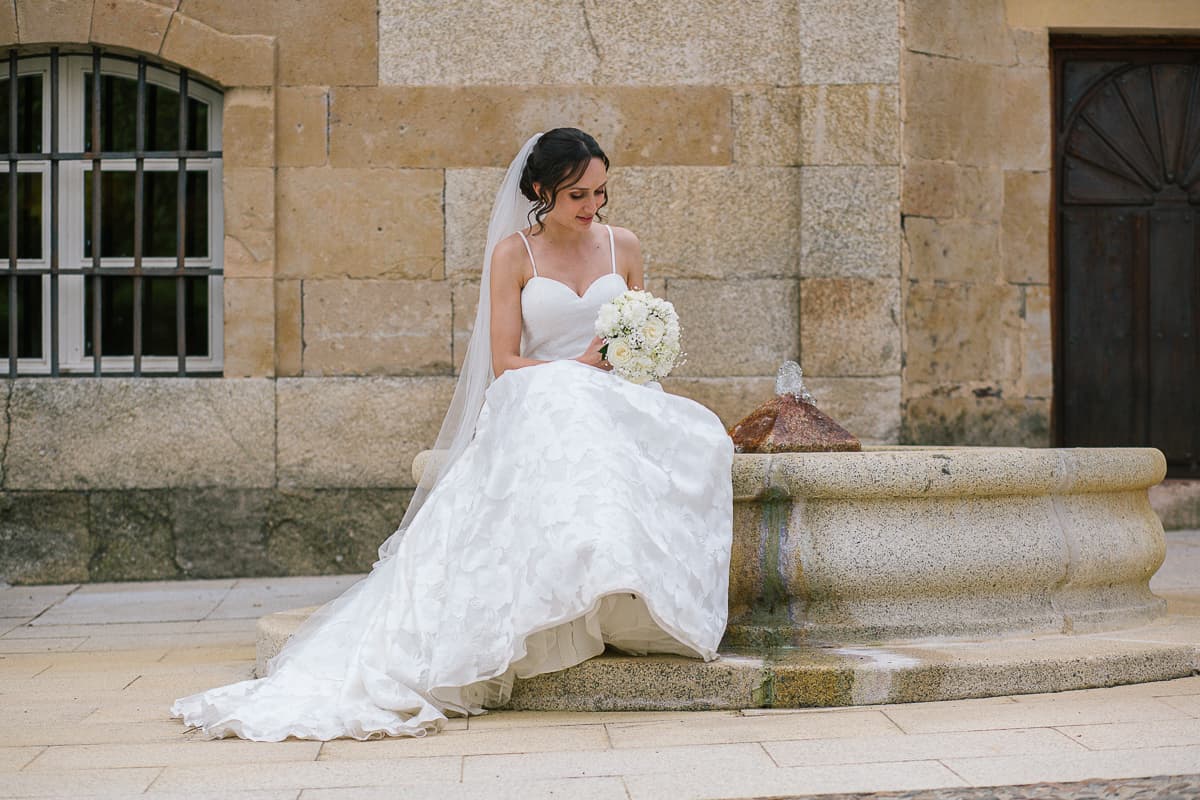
510	213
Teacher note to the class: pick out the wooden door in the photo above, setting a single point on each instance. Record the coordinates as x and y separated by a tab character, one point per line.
1127	183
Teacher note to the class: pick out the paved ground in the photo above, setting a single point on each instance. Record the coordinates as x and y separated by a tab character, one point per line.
87	673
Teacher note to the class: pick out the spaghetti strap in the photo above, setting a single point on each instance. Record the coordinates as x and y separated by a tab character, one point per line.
612	249
527	250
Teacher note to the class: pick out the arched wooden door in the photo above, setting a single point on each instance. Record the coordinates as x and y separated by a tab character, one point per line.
1128	241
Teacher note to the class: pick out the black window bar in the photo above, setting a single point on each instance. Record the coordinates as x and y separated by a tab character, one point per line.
96	271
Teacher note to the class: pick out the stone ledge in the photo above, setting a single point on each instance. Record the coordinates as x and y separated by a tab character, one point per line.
822	676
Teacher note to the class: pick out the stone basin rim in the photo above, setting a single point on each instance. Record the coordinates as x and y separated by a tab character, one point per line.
930	472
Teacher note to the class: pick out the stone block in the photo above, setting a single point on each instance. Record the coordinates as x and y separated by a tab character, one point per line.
731	222
945	190
1037	349
133	24
320	43
303	134
242	60
849	41
249	222
335	531
369	327
736	328
1025	227
977	421
43	537
953	249
54	20
653	43
464	296
359	223
850	327
854	124
364	432
867	407
1031	46
222	533
976	114
974	30
440	127
141	433
446	44
249	328
247	128
766	124
289	333
731	399
850	222
8	24
960	333
131	536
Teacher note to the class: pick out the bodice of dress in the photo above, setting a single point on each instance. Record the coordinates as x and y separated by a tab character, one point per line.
556	323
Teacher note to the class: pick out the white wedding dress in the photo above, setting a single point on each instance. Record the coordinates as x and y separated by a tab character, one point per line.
586	511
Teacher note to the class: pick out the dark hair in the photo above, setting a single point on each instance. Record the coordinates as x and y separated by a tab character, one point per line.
559	158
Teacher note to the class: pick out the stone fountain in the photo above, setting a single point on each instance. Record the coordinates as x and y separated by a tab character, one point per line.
897	574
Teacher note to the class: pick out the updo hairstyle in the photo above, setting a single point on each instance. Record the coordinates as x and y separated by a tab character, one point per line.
558	159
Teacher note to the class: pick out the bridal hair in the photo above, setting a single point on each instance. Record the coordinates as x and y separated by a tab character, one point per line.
558	159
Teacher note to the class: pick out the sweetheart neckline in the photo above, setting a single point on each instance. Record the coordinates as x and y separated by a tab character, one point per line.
569	289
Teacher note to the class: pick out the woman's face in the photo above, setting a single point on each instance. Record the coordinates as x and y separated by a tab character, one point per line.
576	204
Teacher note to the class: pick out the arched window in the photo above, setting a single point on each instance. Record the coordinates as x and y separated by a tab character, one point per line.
110	217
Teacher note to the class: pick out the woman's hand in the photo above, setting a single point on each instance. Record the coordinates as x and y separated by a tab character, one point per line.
592	356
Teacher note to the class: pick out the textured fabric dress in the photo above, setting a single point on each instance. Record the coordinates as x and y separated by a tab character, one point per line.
586	510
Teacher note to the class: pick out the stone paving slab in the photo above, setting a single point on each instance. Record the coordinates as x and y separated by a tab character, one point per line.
1163	787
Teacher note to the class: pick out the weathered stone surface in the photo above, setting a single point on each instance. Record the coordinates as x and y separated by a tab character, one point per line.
248	129
976	114
1037	352
43	537
320	43
985	421
368	327
359	223
850	222
962	333
953	249
289	333
849	41
134	24
249	328
766	124
131	536
8	23
1025	227
249	222
332	531
867	407
432	43
465	300
222	533
1032	46
972	29
728	398
54	20
341	432
787	424
855	124
1178	14
141	433
241	60
654	43
945	190
850	327
764	314
440	127
1177	503
303	115
735	223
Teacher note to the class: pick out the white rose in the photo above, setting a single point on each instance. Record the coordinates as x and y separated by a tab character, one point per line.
619	353
653	330
607	319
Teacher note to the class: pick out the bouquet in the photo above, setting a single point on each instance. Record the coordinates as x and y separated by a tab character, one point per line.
641	334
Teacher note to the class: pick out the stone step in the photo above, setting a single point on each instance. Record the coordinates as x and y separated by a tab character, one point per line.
819	676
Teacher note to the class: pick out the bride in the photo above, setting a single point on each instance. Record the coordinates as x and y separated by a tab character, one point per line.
571	509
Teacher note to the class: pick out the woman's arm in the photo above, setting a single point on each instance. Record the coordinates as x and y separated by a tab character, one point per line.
629	258
507	273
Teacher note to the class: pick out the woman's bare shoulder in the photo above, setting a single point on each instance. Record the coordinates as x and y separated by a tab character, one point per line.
508	258
625	237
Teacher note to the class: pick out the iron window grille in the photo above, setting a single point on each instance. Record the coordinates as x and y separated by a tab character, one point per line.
113	233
